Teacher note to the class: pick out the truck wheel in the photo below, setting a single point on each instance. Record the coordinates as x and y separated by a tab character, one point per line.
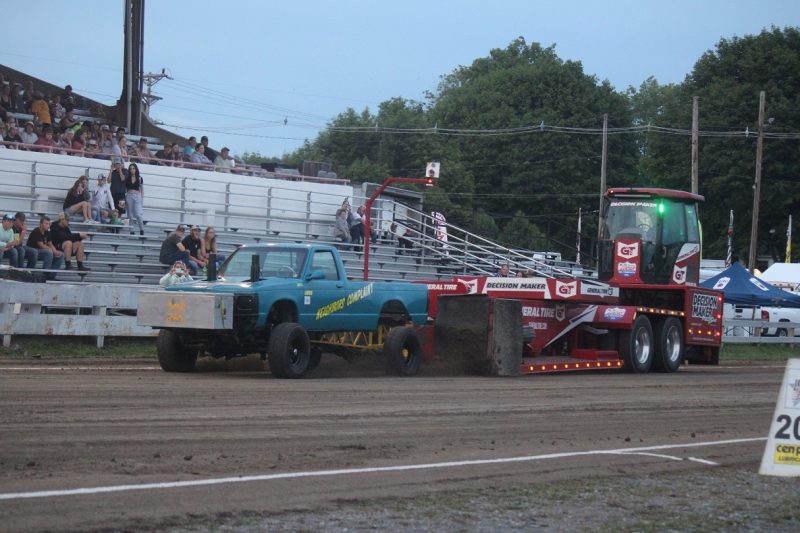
172	356
403	352
636	346
670	347
782	332
289	350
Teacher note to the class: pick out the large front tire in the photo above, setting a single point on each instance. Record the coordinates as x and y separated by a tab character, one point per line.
403	352
670	345
289	351
172	356
636	346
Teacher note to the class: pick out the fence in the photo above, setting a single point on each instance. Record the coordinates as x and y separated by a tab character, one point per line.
750	331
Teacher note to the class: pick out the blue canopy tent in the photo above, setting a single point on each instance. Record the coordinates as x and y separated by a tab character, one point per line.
741	287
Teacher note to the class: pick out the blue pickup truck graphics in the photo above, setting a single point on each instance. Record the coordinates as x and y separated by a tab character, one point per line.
267	287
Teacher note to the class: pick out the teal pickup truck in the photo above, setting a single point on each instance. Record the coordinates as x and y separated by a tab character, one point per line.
289	303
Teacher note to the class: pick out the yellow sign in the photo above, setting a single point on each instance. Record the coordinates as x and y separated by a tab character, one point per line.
344	301
175	311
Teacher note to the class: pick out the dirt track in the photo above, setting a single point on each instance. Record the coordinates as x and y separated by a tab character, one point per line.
91	424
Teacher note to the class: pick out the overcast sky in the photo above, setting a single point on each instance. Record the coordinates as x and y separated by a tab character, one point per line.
241	68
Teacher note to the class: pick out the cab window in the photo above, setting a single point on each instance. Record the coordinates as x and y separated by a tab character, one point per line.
323	260
693	231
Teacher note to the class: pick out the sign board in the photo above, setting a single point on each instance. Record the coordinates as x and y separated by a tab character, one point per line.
782	454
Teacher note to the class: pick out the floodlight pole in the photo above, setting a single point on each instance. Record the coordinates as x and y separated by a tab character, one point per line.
368	208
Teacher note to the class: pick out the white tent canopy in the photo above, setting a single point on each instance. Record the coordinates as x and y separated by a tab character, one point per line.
783	275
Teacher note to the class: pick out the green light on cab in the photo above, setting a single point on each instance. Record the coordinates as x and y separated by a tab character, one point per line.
661	208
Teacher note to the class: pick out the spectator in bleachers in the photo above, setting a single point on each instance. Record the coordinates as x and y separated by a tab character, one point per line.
75	201
65	142
57	110
116	181
209	246
119	150
79	142
193	244
177	274
40	110
223	162
199	156
27	135
107	142
27	96
210	154
141	152
69	122
189	149
9	243
5	97
92	130
39	240
2	135
134	197
68	98
45	142
12	138
120	133
68	242
17	102
21	234
341	230
399	234
172	249
504	271
170	155
357	226
102	202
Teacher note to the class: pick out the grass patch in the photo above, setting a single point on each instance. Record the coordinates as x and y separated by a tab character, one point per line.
758	352
43	346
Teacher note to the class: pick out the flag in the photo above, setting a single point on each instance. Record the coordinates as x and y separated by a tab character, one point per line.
729	255
578	240
440	228
789	241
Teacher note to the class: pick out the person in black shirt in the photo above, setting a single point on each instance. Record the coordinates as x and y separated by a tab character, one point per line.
76	201
134	196
39	239
68	242
173	250
116	180
193	243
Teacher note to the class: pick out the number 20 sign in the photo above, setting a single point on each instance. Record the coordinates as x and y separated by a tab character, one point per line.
782	454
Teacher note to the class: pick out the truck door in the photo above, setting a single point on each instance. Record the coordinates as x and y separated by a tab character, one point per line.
323	299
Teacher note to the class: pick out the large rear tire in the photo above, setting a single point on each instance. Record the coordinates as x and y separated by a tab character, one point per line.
172	356
670	345
289	351
636	346
403	352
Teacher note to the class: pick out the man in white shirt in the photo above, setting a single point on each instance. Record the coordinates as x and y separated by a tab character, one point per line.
102	201
223	162
28	136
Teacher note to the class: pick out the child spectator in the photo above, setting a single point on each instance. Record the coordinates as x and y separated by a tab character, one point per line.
76	202
173	250
46	142
40	110
134	197
28	136
193	244
9	243
177	274
223	162
68	242
102	202
209	246
39	240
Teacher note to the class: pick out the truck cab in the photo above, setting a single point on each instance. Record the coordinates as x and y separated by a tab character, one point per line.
649	237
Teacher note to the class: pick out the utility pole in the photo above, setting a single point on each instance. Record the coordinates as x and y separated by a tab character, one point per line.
695	134
150	79
751	264
603	160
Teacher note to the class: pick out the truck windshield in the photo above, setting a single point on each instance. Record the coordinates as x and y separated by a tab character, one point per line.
631	217
275	263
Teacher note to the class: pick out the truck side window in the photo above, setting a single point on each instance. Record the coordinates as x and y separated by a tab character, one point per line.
691	224
323	260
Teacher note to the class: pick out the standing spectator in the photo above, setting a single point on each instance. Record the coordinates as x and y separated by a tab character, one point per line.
209	246
141	152
20	235
68	242
12	138
119	152
68	121
173	250
39	240
194	244
177	274
9	243
102	201
28	136
40	110
106	143
210	154
68	98
116	180
46	142
28	96
57	110
223	162
17	101
134	197
189	149
199	156
76	201
5	98
341	230
357	226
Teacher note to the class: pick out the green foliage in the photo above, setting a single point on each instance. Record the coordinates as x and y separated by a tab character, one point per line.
520	233
484	225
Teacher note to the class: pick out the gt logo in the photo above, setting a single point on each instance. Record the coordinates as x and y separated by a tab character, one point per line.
566	290
627	251
679	275
561	312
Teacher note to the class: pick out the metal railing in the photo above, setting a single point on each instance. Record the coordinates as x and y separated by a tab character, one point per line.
752	331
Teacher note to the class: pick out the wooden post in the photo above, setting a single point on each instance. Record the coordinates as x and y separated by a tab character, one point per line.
603	160
695	134
751	264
